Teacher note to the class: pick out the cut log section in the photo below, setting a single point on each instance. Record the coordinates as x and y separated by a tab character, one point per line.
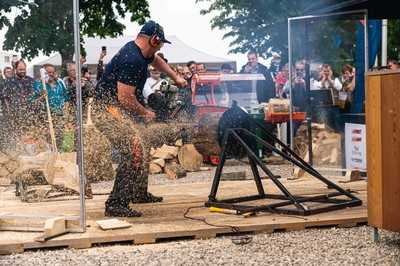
190	159
154	168
174	171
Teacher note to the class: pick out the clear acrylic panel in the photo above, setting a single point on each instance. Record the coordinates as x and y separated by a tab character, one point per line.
327	56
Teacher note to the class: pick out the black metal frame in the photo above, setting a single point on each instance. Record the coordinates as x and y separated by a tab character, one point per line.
287	198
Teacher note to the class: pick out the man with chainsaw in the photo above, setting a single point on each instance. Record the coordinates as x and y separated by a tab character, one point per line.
120	103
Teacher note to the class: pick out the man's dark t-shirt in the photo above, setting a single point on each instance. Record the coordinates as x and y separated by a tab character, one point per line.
129	67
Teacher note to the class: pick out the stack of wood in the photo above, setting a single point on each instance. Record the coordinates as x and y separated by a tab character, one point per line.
326	145
8	165
175	161
277	106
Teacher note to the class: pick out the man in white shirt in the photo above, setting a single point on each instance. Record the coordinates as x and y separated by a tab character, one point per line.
153	83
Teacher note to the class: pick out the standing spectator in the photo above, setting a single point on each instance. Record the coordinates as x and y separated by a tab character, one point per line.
153	83
264	89
192	67
15	95
349	84
328	82
180	70
281	79
201	68
226	68
8	72
100	64
393	64
58	99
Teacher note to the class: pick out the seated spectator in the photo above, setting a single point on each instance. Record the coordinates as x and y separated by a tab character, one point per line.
8	72
393	64
201	68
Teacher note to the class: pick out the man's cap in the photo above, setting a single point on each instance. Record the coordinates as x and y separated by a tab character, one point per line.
151	28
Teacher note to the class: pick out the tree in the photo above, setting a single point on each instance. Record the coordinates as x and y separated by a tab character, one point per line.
48	27
262	24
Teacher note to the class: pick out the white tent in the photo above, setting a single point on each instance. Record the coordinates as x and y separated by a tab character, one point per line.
177	53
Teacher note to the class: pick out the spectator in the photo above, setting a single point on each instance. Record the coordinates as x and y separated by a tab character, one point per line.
201	68
15	95
226	68
221	92
281	79
86	85
8	72
265	89
100	64
153	83
393	64
299	93
58	97
328	82
348	86
192	67
180	70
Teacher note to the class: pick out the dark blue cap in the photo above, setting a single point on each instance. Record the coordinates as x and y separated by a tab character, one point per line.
151	28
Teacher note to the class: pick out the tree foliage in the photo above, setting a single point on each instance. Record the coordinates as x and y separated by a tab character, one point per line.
48	27
261	24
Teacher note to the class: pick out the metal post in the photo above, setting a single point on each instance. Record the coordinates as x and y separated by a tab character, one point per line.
384	41
366	66
82	179
290	83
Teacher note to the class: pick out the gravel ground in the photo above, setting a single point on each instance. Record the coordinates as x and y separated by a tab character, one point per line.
332	246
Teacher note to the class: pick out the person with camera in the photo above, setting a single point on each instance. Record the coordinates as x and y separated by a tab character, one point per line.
153	94
264	89
120	104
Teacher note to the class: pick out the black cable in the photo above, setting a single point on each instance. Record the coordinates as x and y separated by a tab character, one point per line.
204	220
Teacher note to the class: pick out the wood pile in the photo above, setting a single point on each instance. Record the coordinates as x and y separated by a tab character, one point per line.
327	150
175	161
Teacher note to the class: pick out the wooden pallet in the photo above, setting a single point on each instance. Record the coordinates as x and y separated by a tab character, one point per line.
165	221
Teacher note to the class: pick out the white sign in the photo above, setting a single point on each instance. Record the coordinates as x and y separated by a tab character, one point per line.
355	141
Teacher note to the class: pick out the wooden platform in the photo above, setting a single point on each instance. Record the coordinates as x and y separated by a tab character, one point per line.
165	221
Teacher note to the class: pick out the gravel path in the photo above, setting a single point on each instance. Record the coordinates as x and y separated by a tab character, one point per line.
333	246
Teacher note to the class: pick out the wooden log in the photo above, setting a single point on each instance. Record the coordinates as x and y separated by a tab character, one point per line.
179	143
3	158
190	159
160	162
154	168
205	139
174	171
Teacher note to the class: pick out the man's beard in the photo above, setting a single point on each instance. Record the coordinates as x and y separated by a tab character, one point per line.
21	75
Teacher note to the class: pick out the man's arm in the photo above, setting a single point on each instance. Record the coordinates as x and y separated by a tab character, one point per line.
127	97
160	64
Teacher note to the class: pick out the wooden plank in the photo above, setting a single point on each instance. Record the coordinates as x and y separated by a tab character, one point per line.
374	152
165	221
390	117
110	224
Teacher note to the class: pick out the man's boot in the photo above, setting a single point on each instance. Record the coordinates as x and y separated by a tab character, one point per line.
121	211
146	198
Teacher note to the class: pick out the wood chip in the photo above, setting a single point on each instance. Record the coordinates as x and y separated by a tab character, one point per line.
110	224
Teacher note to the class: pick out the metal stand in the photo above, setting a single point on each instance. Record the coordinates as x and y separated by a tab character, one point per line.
285	203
